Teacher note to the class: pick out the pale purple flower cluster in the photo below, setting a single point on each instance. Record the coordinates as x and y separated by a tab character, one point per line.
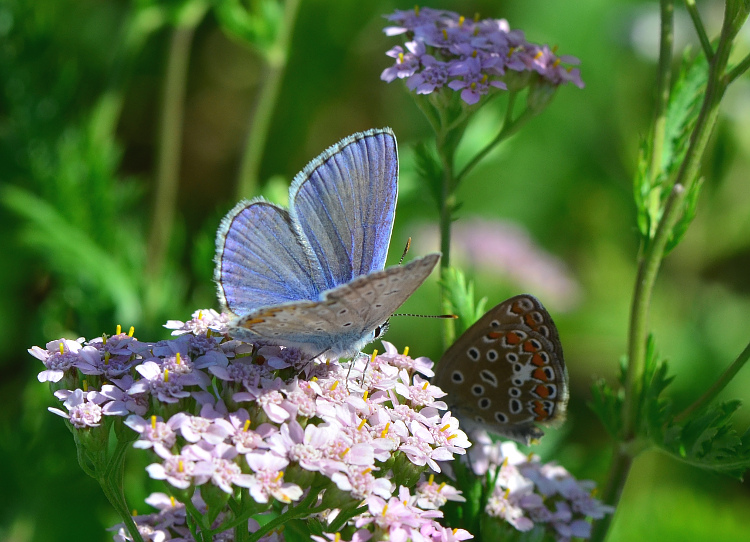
225	418
443	49
527	492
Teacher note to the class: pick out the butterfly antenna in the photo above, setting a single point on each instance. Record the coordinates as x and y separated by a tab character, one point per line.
406	249
451	316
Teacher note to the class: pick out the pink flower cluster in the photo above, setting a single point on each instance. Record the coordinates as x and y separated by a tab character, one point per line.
226	418
526	492
472	56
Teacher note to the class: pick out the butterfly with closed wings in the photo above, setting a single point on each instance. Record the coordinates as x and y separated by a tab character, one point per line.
506	372
312	277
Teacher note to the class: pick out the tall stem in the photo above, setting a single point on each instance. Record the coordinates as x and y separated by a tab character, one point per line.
170	147
265	105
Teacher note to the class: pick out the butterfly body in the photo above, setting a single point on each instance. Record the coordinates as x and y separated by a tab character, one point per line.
312	276
506	373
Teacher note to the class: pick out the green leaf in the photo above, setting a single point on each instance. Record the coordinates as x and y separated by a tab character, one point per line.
429	168
460	294
691	207
606	403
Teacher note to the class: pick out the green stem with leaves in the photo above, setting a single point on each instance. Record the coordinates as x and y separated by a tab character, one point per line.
653	254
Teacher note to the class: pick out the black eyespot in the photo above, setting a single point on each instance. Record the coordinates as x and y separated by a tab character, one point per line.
342	312
484	403
514	392
457	377
517	368
489	377
476	389
491	355
515	406
479	419
500	417
518	381
473	353
347	324
511	357
495	323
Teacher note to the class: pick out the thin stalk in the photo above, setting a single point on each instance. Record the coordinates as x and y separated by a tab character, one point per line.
510	127
170	148
738	70
700	29
618	474
717	387
663	82
260	121
447	206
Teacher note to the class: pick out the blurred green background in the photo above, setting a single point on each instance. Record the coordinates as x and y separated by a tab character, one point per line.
81	88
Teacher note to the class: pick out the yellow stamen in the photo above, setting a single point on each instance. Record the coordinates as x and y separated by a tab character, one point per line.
473	86
474	53
62	347
484	78
166	375
451	437
445	34
85	385
314	379
365	395
455	530
385	509
530	456
279	476
556	63
406	350
425	385
104	338
107	355
118	329
361	425
374	353
431	479
131	331
172	501
538	55
153	422
180	466
385	431
461	20
476	17
247	426
343	453
200	315
368	470
441	486
177	358
507	492
401	58
416	10
135	512
335	385
445	428
337	537
505	463
554	48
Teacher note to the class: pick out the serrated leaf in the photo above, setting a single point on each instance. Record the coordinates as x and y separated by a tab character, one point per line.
691	208
460	294
428	168
607	405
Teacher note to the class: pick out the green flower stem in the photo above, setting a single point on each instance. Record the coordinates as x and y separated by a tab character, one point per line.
111	483
663	79
714	390
649	265
738	70
699	29
447	207
510	127
276	59
170	147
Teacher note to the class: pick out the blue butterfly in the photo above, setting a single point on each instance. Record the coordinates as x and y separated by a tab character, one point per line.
312	276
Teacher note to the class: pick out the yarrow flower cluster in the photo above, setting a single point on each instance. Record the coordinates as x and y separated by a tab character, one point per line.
222	423
237	431
444	49
526	492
